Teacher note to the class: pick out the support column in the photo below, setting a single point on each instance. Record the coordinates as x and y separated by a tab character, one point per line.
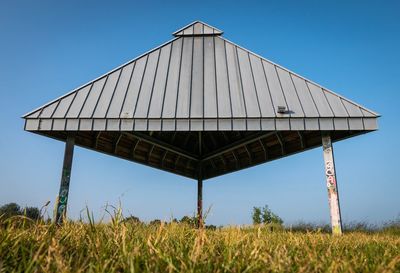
333	193
200	186
61	209
200	202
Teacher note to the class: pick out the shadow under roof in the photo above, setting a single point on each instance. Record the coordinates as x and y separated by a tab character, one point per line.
200	98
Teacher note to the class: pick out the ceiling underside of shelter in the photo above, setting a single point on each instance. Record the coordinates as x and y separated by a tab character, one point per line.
221	152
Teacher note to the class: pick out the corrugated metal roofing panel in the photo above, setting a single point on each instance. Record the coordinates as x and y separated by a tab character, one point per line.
274	86
78	102
223	95
106	95
352	109
47	111
306	100
210	89
289	92
157	98
114	109
320	100
261	86
132	94
197	88
235	85
336	105
63	106
185	77
91	100
171	90
146	88
202	76
247	79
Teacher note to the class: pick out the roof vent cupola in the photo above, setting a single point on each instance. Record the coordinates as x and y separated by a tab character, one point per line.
197	28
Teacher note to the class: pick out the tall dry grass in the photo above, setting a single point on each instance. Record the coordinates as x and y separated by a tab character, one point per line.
28	246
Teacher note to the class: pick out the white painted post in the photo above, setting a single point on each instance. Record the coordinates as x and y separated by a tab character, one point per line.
333	193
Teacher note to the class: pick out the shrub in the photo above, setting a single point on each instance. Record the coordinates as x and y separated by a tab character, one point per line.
265	216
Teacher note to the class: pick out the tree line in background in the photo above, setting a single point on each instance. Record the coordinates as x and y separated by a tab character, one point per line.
260	215
34	213
13	209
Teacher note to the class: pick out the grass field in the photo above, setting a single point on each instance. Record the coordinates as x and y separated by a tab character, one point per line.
28	246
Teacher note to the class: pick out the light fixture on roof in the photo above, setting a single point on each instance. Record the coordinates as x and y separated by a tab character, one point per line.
281	109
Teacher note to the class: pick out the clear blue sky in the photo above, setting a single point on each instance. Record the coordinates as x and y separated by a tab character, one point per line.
48	48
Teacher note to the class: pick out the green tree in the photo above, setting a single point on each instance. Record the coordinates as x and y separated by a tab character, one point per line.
13	209
32	212
155	222
132	220
256	215
10	209
191	221
268	217
265	216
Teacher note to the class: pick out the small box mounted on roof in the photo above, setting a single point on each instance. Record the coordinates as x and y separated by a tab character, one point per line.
281	109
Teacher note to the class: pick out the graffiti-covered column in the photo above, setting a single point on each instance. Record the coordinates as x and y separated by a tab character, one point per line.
333	193
61	209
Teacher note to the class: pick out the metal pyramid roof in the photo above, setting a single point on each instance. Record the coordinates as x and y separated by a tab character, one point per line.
200	81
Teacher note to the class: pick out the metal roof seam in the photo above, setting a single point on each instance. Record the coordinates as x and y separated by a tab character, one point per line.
295	90
203	80
54	110
255	87
98	98
70	104
84	101
179	77
330	106
113	93
166	82
127	88
228	81
152	87
215	79
312	98
268	86
191	82
140	87
283	92
241	83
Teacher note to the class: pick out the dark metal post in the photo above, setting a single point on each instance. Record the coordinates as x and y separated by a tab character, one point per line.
61	208
200	188
333	193
199	202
